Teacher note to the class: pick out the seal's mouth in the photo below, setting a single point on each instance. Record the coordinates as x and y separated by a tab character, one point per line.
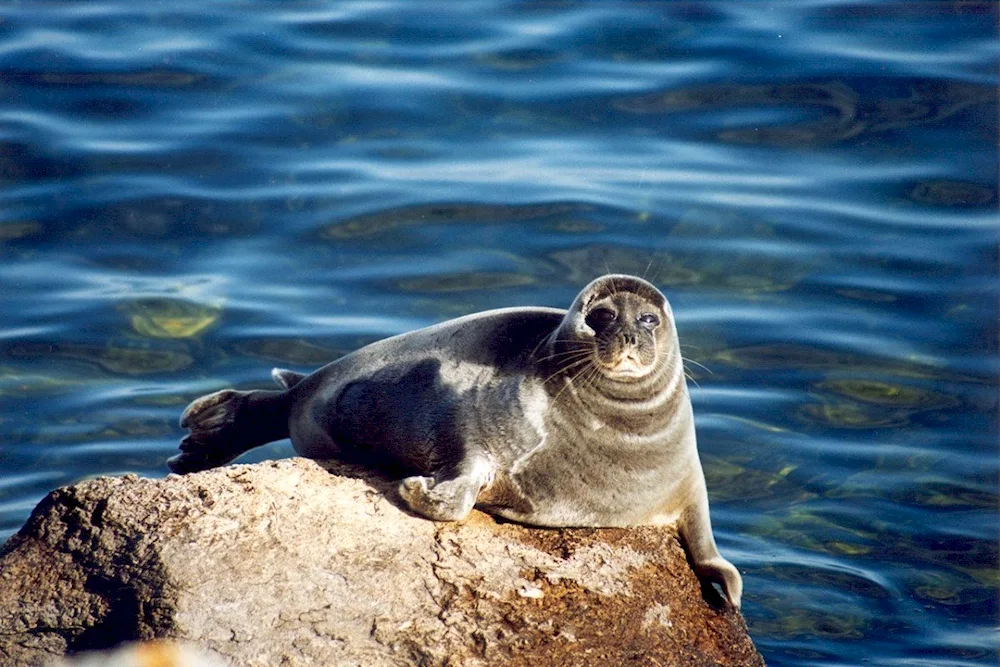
625	365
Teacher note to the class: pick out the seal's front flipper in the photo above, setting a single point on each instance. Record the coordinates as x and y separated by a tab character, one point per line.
706	561
227	423
450	499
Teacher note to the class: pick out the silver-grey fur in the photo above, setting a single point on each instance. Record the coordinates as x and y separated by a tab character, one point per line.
543	416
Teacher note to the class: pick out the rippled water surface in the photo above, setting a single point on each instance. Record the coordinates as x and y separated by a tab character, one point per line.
192	192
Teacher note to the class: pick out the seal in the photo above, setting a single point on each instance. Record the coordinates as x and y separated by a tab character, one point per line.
548	417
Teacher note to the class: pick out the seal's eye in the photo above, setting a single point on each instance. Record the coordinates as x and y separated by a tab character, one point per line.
599	318
649	320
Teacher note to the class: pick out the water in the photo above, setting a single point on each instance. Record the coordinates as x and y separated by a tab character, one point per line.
191	193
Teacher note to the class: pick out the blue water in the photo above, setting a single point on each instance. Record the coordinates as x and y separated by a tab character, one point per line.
193	192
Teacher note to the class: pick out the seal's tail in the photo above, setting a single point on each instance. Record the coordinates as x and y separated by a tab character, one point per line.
227	423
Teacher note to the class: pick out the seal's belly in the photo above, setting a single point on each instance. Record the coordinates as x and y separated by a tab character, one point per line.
590	486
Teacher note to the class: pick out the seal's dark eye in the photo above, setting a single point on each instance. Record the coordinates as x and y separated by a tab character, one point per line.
599	318
649	320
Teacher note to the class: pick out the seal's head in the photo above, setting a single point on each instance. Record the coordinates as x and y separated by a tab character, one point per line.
619	325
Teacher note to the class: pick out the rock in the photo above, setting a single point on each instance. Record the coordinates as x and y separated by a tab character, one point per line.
284	563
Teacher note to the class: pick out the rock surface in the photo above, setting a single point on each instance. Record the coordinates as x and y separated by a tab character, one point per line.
284	563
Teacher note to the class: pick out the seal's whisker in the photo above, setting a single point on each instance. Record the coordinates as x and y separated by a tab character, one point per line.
574	345
567	367
590	380
568	385
553	341
541	341
564	354
656	274
699	364
567	341
572	362
691	378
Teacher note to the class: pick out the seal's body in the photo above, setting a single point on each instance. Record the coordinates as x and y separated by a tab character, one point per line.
542	416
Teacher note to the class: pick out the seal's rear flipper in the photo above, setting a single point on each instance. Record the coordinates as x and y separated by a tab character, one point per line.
286	378
227	423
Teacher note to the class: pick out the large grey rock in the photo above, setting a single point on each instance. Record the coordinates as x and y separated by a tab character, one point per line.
283	563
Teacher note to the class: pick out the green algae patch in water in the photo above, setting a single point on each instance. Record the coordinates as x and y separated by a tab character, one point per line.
730	482
861	403
810	623
877	392
950	589
940	492
171	317
852	414
808	529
